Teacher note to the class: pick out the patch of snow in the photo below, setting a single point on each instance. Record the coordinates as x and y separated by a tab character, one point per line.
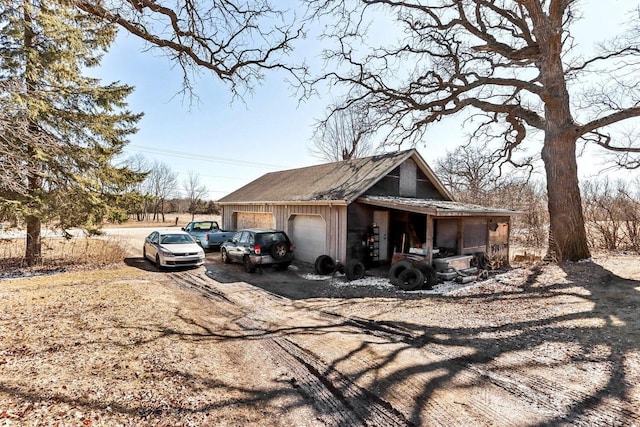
368	281
315	277
457	289
498	282
22	234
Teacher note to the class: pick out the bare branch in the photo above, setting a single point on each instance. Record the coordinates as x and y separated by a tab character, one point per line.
344	134
235	40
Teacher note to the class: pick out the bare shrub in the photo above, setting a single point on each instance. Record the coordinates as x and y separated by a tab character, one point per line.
631	213
532	224
612	215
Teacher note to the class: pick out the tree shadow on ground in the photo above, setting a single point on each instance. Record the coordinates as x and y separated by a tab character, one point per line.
574	360
561	348
143	264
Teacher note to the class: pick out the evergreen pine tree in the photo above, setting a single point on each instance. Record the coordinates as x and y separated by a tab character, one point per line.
66	129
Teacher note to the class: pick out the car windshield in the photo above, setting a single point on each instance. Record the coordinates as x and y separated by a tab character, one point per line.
173	239
266	239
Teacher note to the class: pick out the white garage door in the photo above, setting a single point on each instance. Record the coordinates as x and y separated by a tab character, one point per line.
309	237
254	220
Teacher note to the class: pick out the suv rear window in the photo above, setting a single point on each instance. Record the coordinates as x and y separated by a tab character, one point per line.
267	239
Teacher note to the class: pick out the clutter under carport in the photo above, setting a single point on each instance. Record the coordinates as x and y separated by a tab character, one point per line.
412	271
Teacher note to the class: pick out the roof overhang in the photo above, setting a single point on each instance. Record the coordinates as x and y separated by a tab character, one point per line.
289	202
439	208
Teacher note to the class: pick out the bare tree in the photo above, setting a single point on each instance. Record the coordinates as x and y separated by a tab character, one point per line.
612	212
343	135
237	40
509	65
194	191
468	172
161	184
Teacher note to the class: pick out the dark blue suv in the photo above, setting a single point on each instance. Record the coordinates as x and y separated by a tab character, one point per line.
257	247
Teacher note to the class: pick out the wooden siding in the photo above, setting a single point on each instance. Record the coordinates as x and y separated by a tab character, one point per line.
396	183
472	235
335	218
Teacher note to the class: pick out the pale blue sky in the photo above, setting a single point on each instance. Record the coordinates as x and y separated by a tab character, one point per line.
231	143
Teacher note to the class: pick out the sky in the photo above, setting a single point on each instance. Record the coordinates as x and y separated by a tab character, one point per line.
232	142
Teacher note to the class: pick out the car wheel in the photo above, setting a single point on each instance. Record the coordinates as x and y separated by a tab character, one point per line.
279	250
158	262
144	252
225	256
430	275
249	267
354	269
396	270
410	279
324	265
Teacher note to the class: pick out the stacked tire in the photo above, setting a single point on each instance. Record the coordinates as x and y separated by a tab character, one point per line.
410	276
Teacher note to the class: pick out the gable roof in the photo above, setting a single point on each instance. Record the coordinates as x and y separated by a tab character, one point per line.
341	181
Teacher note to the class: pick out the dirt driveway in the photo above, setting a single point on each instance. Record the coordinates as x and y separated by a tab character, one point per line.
216	346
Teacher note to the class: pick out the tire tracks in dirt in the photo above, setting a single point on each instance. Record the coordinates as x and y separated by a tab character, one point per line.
339	401
553	397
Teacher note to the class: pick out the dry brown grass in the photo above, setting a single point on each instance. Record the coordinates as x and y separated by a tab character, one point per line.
549	345
77	252
124	347
60	253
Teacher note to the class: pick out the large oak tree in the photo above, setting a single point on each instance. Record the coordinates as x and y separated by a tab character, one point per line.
510	64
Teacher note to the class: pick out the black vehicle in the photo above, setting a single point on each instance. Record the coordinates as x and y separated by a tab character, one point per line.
258	247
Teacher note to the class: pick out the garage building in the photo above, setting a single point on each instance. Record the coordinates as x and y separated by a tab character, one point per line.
369	209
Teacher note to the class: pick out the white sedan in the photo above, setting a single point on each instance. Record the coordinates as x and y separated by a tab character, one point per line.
172	248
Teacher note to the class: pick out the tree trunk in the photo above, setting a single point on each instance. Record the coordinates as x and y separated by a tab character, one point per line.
33	251
33	254
567	237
